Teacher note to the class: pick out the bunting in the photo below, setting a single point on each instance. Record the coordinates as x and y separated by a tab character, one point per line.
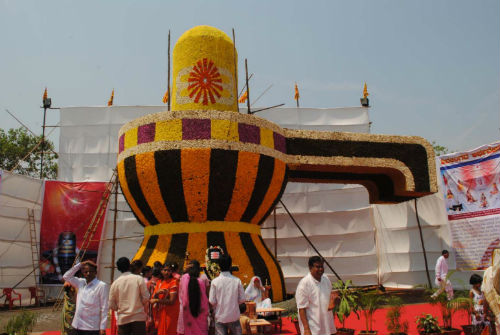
297	95
243	97
110	101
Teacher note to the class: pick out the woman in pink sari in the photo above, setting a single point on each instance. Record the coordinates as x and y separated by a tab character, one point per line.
194	301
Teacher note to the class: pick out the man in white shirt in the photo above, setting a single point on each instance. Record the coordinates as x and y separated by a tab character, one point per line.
226	293
441	281
91	313
129	296
313	301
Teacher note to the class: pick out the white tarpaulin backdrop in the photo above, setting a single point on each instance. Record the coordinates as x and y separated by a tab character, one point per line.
370	244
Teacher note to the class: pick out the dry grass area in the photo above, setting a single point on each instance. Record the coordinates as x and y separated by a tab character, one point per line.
47	318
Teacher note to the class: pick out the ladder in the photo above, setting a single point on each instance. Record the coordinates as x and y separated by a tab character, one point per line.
89	233
34	250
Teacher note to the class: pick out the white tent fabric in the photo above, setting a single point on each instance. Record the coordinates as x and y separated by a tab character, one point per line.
369	244
89	145
17	195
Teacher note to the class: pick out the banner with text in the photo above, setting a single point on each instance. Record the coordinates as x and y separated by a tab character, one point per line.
470	185
68	209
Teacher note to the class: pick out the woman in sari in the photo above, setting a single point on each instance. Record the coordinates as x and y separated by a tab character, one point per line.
194	301
255	292
166	302
152	312
69	309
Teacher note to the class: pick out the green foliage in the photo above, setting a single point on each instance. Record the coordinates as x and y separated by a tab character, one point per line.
294	316
427	324
439	150
348	303
21	324
393	316
369	302
16	146
448	307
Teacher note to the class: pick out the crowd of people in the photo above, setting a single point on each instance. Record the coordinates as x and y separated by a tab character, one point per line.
157	300
160	301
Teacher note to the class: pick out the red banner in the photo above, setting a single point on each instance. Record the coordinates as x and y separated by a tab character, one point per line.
68	209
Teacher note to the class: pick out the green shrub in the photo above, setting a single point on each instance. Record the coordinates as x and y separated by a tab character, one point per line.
21	324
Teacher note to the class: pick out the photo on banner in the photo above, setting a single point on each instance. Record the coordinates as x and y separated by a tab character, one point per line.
470	183
67	211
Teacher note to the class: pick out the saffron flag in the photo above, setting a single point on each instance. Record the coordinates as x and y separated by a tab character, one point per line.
243	97
365	92
110	101
44	97
297	95
165	97
67	211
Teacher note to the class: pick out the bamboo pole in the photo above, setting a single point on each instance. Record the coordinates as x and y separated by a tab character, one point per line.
168	72
423	245
248	88
235	61
113	248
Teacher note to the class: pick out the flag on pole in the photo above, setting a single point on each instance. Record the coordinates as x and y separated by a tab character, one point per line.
44	94
243	97
165	97
297	95
365	92
110	101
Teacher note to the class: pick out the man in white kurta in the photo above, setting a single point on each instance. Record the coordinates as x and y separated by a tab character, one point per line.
313	299
441	281
91	312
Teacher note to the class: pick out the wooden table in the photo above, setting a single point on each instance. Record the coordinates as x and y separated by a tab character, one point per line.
259	324
275	311
270	310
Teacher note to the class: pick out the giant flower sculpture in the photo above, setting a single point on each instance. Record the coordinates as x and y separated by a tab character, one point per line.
203	174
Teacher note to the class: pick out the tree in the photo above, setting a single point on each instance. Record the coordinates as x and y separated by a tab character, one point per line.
18	146
439	150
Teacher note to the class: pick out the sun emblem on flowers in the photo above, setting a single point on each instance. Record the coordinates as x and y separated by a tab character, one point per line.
205	82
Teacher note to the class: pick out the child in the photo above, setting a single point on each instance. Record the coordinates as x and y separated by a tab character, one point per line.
479	311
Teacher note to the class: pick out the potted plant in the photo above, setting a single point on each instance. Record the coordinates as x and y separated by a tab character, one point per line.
465	304
369	302
393	317
294	317
347	303
428	325
448	309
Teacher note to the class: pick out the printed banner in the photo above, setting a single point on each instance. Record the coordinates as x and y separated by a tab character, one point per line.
68	209
470	185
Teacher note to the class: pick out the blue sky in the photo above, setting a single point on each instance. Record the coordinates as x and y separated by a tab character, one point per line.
432	67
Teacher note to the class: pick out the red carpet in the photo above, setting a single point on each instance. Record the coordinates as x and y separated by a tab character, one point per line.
410	314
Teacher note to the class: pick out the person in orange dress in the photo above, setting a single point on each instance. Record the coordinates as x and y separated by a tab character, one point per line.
166	302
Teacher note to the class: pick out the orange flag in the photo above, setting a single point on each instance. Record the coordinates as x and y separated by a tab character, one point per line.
365	92
44	94
297	95
243	97
165	97
110	101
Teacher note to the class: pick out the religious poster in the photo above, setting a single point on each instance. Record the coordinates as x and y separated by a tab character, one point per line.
471	182
67	211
